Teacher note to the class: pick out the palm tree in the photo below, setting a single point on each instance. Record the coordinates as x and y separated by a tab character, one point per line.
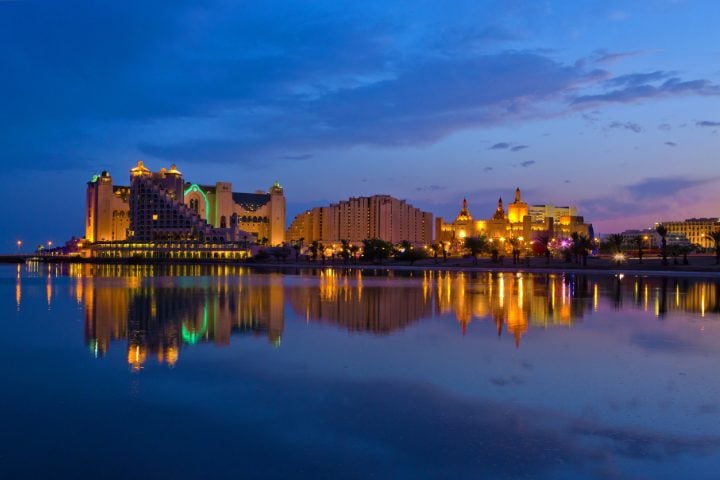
314	248
345	251
581	246
715	237
515	243
476	245
662	231
639	242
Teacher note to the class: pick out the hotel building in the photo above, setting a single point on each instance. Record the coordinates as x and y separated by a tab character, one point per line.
357	219
520	221
696	230
162	207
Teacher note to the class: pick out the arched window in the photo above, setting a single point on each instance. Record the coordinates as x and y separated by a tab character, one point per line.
223	222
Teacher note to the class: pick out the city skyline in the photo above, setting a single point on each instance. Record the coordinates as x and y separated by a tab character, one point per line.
607	106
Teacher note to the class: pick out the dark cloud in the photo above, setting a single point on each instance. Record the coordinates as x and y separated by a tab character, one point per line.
651	195
636	79
665	127
500	146
632	93
431	188
627	126
671	144
303	156
652	188
707	123
527	163
487	169
518	148
604	56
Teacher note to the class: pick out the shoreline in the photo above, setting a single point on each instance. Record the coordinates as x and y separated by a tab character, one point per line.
700	265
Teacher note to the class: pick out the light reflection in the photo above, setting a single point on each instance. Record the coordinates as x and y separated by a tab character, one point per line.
159	312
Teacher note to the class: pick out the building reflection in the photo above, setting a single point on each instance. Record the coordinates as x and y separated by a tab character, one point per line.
516	301
360	303
158	311
158	318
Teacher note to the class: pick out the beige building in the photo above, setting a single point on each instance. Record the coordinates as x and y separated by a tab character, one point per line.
696	230
520	222
163	206
357	219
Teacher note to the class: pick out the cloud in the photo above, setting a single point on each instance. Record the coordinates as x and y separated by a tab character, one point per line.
627	126
242	83
604	56
430	188
663	187
671	87
665	127
671	144
508	146
487	169
303	156
527	163
651	195
636	79
707	123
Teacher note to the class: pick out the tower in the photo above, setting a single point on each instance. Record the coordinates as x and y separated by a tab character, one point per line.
277	214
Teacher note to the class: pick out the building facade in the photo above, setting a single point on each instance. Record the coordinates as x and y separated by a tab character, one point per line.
521	222
696	230
357	219
161	207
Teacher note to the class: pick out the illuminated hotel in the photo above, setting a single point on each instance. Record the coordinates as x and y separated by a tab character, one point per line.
520	222
357	219
162	208
696	230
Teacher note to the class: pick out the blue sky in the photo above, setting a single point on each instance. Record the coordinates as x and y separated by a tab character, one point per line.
612	106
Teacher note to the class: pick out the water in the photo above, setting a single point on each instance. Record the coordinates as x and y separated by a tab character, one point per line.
185	372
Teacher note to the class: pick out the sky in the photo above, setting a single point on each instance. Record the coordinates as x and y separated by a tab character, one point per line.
612	106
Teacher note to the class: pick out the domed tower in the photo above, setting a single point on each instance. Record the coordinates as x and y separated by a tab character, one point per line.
518	209
499	211
464	215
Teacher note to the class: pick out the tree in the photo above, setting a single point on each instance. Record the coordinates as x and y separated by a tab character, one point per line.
639	242
476	245
376	250
314	248
436	248
408	253
581	246
515	244
715	237
544	241
345	251
662	231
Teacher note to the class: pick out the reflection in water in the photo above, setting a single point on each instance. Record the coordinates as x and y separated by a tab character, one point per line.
158	310
374	305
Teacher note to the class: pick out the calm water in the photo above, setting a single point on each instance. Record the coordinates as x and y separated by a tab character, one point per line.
205	373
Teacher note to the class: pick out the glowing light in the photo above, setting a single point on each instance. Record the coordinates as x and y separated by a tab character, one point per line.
193	337
195	188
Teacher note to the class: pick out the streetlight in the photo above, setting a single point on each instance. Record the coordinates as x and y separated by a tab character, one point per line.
19	245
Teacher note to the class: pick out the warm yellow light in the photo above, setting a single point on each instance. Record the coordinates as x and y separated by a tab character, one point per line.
462	234
155	216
